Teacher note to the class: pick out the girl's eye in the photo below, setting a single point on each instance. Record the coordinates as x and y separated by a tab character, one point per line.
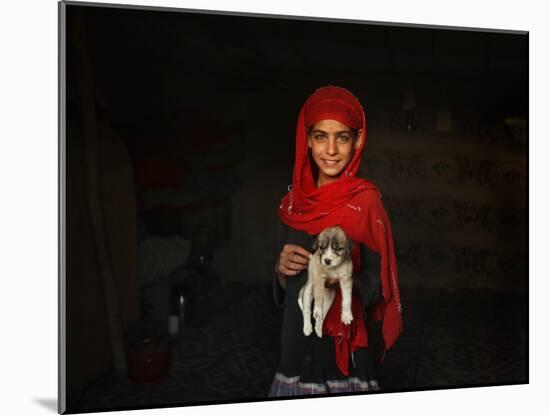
343	138
319	137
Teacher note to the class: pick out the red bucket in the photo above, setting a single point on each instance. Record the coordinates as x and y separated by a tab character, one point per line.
149	359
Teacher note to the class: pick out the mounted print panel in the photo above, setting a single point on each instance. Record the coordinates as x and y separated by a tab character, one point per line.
204	154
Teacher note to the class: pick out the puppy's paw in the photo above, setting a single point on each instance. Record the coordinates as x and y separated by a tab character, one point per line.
347	317
319	328
317	313
307	329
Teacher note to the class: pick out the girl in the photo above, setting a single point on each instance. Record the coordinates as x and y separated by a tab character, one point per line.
325	191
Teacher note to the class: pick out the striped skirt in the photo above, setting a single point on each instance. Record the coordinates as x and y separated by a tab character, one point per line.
292	386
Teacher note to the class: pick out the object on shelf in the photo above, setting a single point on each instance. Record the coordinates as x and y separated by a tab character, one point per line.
182	304
408	108
173	325
444	121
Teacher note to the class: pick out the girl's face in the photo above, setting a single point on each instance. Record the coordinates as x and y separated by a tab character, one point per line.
332	145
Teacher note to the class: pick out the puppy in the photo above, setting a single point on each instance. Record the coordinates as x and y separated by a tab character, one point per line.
331	260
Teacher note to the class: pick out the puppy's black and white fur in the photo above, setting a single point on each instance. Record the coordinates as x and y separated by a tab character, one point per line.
331	259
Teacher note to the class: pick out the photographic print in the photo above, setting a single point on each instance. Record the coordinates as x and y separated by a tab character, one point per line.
265	207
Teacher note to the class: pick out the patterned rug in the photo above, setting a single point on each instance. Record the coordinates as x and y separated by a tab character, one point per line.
450	338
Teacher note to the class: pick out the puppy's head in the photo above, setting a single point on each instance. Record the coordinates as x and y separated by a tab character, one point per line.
334	247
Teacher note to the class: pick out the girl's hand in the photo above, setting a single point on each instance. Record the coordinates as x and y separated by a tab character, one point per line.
292	260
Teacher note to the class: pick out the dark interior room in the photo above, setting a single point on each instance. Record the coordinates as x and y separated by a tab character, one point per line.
170	252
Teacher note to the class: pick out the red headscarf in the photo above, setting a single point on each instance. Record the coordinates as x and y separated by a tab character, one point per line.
350	202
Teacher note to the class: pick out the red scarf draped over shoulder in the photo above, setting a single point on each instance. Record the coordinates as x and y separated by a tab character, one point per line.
350	202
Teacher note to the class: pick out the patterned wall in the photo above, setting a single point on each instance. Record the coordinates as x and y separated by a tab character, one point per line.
457	204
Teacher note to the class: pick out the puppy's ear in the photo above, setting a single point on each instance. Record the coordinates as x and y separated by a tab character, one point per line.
315	246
